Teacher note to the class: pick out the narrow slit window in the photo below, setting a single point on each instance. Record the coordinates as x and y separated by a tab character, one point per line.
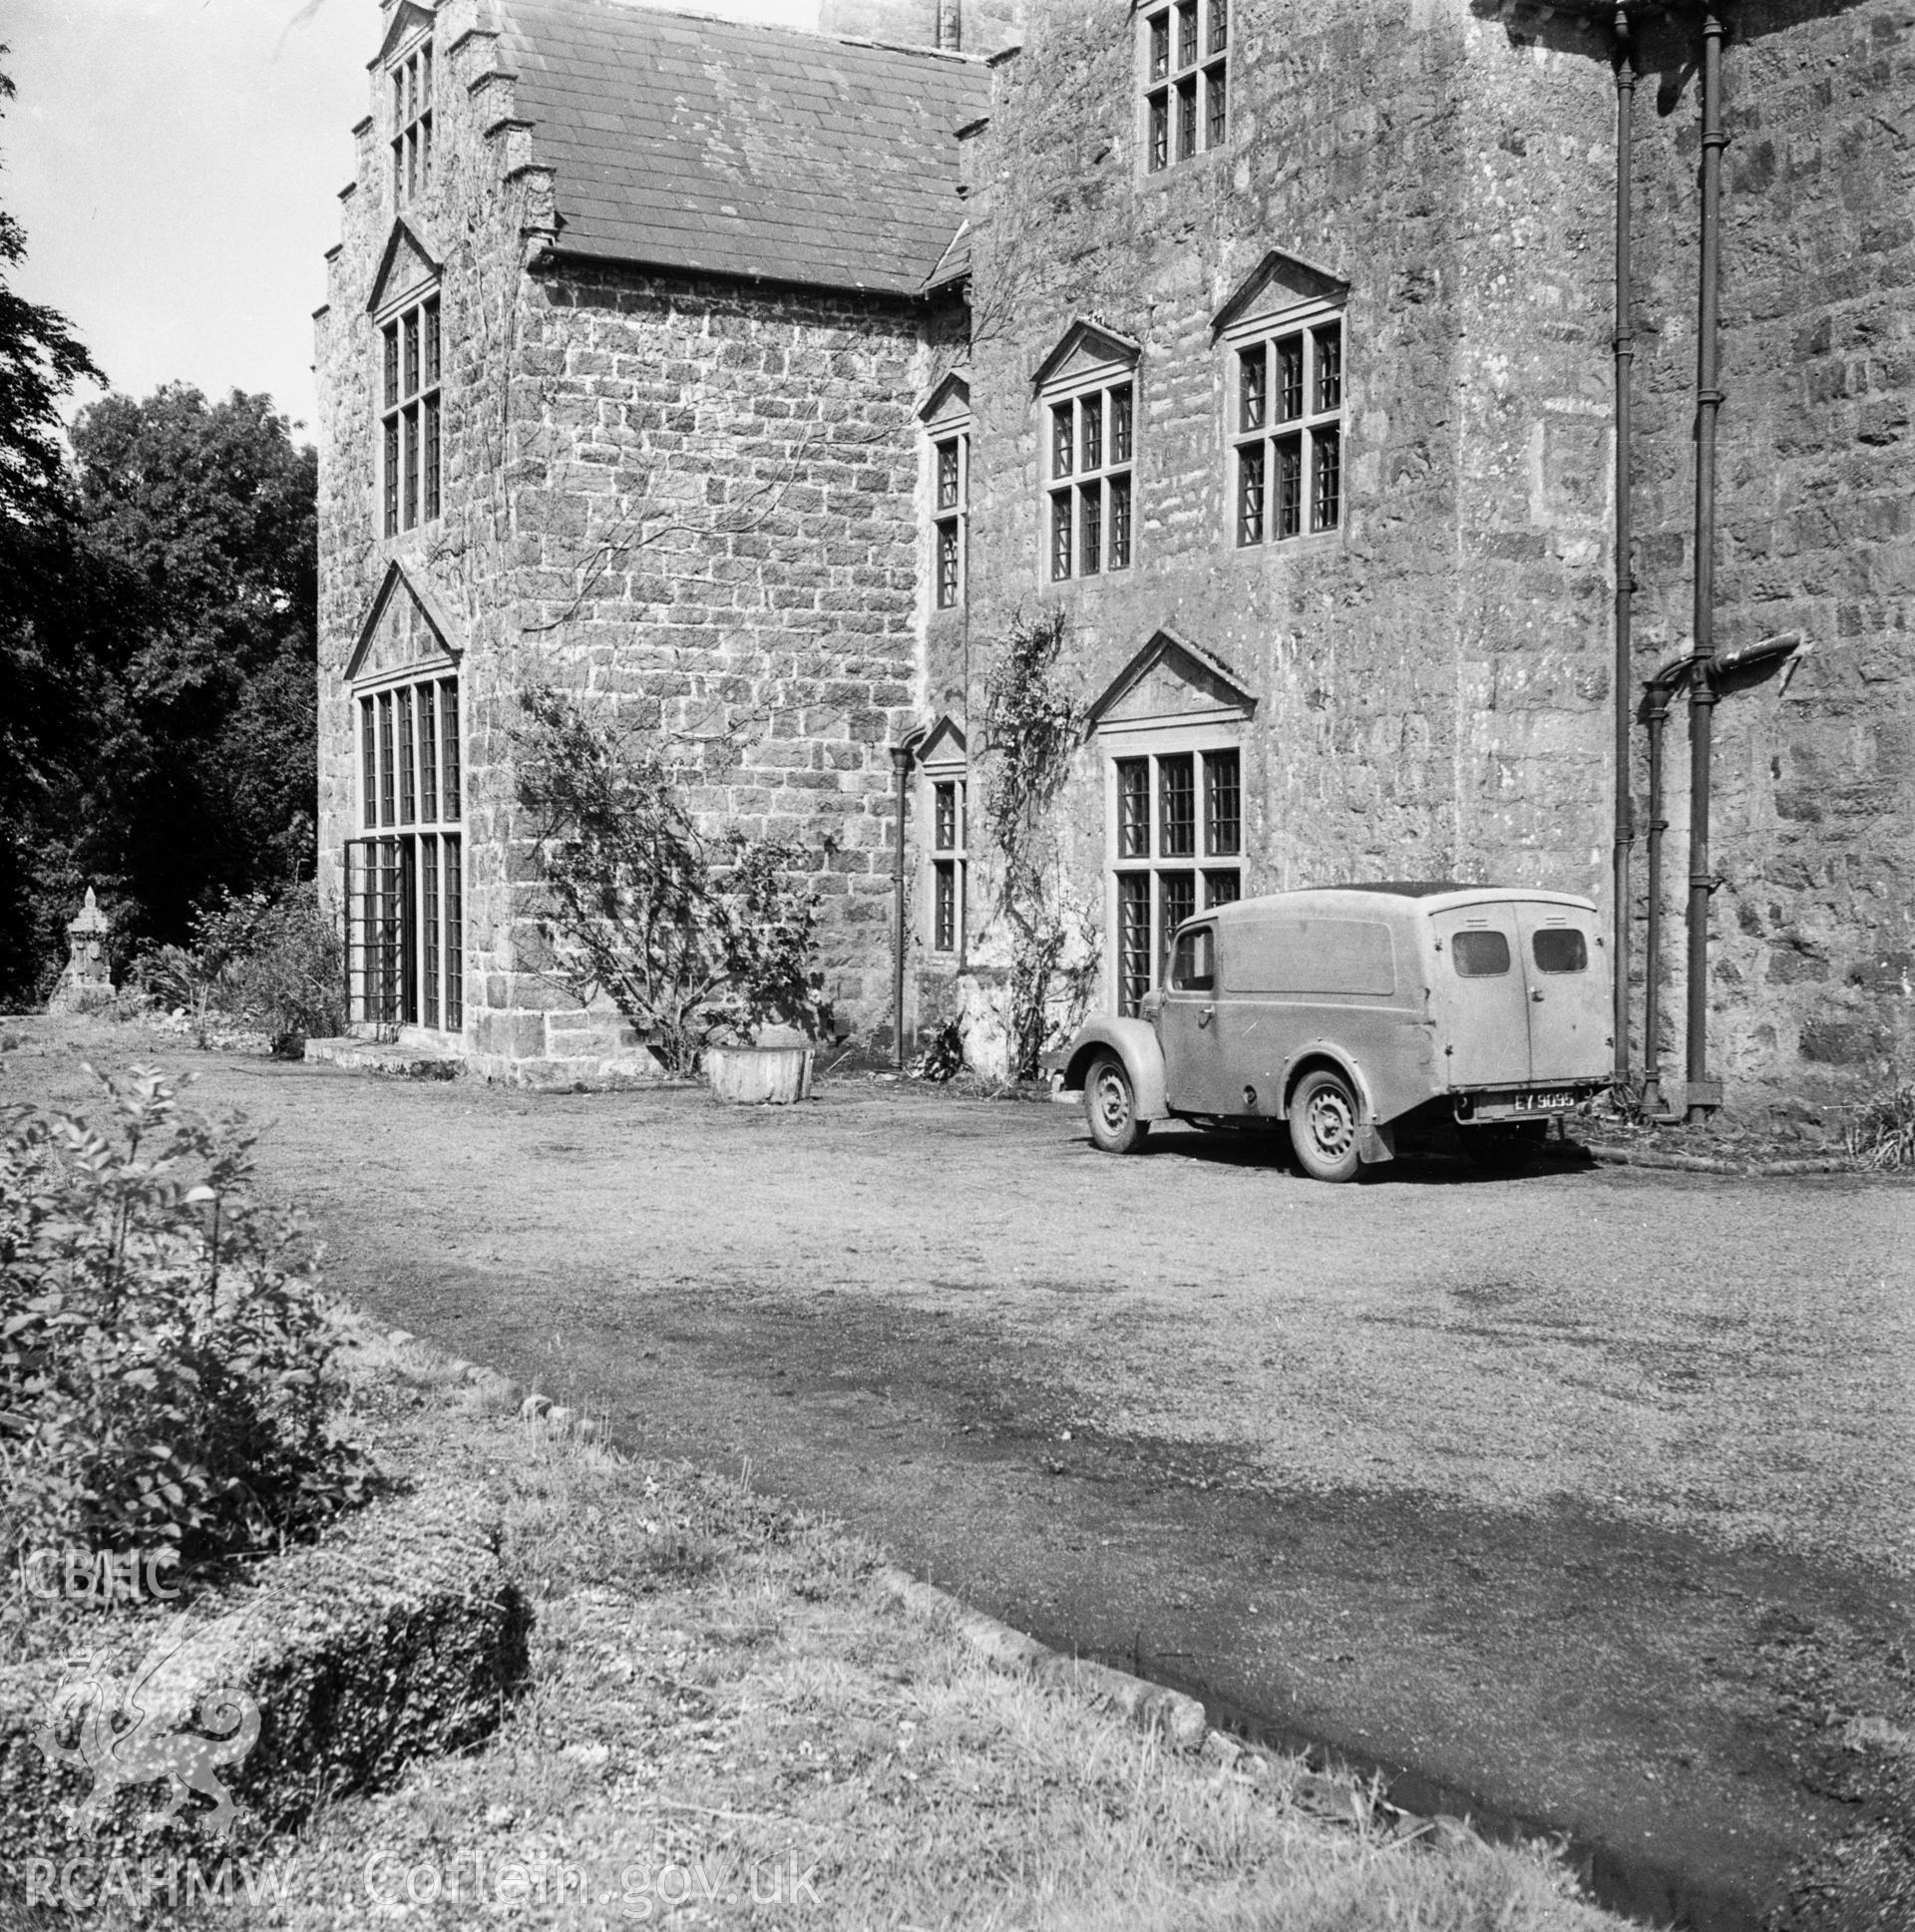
949	458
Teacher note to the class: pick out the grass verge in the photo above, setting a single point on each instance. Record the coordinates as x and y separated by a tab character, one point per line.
728	1723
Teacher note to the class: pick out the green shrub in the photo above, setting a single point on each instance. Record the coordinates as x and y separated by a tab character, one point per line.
166	1372
691	939
273	963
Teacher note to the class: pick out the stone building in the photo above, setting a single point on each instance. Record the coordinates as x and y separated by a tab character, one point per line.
777	383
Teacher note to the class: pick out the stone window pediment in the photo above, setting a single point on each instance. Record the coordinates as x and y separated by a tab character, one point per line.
1277	285
406	629
1085	349
409	20
944	748
408	266
1172	683
948	402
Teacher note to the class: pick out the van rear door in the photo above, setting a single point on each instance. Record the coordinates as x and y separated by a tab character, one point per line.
1568	1016
1484	999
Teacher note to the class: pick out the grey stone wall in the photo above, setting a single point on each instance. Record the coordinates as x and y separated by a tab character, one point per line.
1435	682
716	527
1431	679
1815	823
696	500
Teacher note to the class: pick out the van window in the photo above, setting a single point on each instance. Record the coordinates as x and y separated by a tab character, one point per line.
1195	968
1480	954
1560	949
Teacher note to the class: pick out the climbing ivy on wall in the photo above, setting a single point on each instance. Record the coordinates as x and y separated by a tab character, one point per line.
1033	722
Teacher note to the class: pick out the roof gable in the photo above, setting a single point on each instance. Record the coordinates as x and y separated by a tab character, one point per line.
1084	346
1278	284
405	626
407	263
1171	678
765	152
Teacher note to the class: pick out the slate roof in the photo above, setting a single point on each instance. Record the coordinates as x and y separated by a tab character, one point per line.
760	151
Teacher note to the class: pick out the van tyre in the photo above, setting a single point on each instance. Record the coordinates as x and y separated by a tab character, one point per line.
1323	1126
1110	1106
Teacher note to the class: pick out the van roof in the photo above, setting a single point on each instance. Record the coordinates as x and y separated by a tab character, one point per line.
1437	895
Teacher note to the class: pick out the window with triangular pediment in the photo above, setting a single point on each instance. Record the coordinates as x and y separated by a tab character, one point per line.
1170	728
405	872
1283	338
1088	395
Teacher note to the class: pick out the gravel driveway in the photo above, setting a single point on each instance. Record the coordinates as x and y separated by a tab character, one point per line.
1578	1499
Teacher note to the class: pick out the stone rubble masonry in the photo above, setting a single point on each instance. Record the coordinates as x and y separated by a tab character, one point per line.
1435	680
706	500
692	497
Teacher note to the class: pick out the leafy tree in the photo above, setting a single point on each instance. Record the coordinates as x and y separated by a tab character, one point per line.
688	941
45	597
40	361
208	514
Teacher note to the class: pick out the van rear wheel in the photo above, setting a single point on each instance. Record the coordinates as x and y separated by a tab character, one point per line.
1110	1106
1323	1126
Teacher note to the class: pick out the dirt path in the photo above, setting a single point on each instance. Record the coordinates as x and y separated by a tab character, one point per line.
1581	1497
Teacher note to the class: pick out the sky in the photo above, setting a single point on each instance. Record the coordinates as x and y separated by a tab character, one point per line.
177	164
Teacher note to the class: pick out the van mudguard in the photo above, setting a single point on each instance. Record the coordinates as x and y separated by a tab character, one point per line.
1135	1043
1375	1139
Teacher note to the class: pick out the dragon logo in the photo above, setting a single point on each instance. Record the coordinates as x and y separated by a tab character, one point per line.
121	1739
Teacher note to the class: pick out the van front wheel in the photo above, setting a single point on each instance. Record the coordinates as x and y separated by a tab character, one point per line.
1110	1106
1323	1126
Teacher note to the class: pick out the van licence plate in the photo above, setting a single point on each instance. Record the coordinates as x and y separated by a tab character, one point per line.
1550	1100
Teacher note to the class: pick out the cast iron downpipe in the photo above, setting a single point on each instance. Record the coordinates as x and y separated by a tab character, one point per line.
1622	680
901	757
1702	1097
1657	696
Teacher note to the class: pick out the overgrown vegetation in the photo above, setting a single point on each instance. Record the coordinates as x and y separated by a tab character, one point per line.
691	939
272	964
1882	1133
1031	726
166	1375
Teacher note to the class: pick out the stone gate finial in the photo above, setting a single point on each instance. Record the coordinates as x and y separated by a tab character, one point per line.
87	982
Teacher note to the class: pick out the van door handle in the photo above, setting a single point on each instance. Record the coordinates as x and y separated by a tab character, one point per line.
1537	996
1204	1019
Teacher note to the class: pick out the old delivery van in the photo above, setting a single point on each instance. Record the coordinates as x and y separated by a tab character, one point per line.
1348	1011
